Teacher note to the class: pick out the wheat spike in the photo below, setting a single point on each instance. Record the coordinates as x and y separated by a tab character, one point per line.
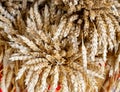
94	86
9	78
111	29
74	82
67	29
20	47
94	46
14	58
103	38
33	82
37	66
59	30
29	43
36	60
21	72
115	22
37	16
64	79
32	17
81	81
28	76
84	55
43	84
80	68
55	79
46	17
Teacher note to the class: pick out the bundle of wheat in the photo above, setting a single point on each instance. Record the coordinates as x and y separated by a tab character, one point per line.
59	45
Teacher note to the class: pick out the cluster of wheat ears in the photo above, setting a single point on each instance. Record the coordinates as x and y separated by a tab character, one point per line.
73	44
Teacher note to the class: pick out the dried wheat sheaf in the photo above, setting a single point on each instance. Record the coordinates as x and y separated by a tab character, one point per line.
71	43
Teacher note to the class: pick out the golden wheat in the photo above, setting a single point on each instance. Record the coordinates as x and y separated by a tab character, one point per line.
74	44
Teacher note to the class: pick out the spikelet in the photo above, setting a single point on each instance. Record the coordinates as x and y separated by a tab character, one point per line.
43	36
3	25
31	23
5	20
37	54
5	13
115	22
110	43
114	10
111	72
92	15
55	79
